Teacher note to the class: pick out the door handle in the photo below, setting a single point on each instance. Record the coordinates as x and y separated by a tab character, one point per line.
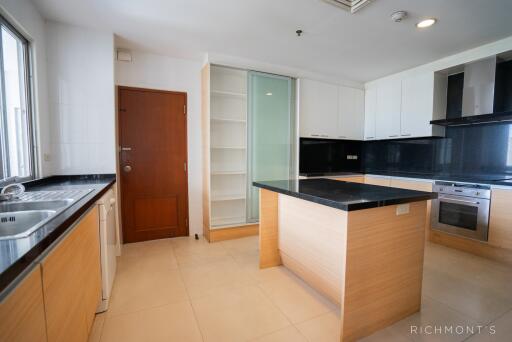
126	148
127	168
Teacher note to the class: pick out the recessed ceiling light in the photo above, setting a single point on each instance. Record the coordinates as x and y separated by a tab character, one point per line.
268	94
426	23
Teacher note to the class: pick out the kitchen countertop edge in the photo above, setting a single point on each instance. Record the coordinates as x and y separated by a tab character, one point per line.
420	196
16	272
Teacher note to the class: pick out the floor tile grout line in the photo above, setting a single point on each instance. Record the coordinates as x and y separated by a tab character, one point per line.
274	331
274	304
454	309
493	321
192	307
145	309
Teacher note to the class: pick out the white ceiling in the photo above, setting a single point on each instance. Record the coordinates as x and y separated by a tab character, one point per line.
360	47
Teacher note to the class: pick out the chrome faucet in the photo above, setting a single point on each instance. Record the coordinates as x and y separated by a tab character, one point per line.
11	191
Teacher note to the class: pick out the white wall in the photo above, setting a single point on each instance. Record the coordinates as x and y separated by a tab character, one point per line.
480	52
24	16
81	99
250	64
159	72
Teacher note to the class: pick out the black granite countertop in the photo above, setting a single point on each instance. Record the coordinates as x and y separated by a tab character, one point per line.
344	195
19	256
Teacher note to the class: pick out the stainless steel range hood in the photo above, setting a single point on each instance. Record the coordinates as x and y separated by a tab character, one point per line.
478	95
478	92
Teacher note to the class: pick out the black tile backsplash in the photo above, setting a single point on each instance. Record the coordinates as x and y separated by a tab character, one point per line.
328	156
466	151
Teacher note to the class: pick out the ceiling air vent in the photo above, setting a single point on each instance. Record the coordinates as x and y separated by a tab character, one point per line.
350	5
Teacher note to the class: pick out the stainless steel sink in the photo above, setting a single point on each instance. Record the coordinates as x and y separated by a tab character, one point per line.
18	223
36	205
32	210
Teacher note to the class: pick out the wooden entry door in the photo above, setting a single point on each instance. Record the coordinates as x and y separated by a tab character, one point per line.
153	163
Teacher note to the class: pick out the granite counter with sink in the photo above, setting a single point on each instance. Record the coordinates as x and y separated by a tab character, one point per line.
19	255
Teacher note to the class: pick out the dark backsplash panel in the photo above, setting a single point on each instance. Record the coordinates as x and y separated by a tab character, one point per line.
411	155
325	156
472	151
476	150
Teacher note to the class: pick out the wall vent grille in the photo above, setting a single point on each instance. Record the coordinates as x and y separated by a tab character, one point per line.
350	5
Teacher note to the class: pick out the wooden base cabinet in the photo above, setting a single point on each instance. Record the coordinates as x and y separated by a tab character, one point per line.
22	311
72	282
500	219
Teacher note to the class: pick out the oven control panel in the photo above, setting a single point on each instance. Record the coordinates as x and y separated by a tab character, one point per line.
463	189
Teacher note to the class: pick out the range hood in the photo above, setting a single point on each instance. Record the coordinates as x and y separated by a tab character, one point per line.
478	96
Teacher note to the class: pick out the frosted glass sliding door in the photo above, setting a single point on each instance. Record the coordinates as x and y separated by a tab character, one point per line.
271	133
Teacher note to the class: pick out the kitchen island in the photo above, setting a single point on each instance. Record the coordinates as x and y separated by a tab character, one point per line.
360	245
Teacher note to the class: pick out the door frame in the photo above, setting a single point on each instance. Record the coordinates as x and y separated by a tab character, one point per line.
119	184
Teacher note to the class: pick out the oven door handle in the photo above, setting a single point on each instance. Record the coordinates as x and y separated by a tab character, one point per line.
458	200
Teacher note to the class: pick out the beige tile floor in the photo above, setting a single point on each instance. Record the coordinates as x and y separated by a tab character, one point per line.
187	290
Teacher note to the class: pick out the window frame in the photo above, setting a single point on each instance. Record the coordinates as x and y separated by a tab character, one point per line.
27	62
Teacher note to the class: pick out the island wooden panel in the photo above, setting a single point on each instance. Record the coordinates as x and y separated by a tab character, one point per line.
418	186
269	238
312	240
22	311
384	268
369	261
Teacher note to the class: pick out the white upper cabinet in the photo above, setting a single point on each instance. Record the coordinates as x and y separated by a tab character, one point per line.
417	105
400	108
318	109
330	111
389	103
350	113
370	113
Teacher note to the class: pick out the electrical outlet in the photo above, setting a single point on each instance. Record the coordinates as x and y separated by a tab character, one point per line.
402	209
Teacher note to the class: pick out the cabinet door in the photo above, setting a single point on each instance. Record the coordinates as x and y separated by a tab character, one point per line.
318	109
350	113
500	220
370	113
351	179
417	105
22	311
389	99
382	181
90	265
70	282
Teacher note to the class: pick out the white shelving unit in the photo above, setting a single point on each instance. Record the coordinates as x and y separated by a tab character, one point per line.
228	147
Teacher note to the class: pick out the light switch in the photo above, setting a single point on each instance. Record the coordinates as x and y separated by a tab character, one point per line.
402	209
47	157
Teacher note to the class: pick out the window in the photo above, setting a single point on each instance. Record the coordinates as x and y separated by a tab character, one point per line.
15	119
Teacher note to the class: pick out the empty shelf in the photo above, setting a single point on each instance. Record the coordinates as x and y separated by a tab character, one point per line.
219	198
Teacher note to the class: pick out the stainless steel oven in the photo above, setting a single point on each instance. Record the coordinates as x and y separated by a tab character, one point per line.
462	209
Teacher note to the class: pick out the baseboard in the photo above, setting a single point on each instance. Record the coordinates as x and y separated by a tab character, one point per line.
472	246
216	235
